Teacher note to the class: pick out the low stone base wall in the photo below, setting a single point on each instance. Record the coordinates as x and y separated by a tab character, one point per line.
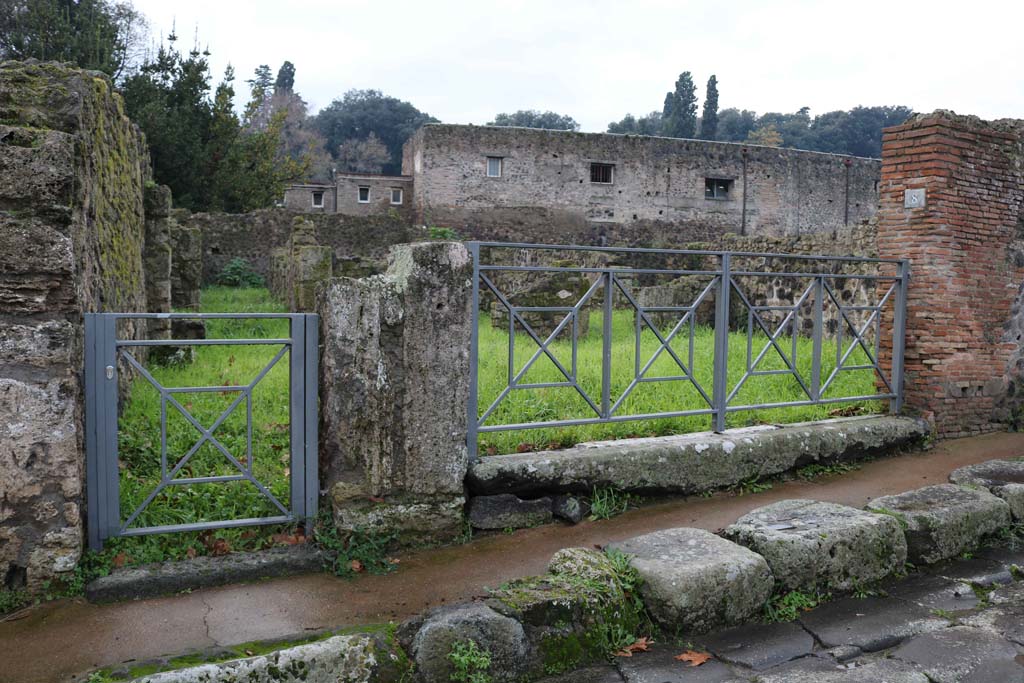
693	463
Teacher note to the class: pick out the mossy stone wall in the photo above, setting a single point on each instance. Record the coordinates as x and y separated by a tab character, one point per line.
72	173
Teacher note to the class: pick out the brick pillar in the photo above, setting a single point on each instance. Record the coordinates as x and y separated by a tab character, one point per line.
963	281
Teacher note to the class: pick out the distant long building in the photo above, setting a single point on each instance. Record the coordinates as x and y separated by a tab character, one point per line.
478	179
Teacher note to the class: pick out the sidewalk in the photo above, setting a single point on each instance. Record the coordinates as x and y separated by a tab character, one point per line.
62	641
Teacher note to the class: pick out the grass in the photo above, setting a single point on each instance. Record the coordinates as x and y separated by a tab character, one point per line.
564	403
607	502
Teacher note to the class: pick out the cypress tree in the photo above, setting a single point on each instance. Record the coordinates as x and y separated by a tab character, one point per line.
709	117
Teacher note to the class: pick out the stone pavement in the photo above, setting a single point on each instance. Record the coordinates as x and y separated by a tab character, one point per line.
952	623
64	640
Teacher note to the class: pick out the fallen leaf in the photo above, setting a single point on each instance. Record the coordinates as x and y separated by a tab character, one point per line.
641	645
395	560
191	553
357	566
694	658
376	499
525	448
288	539
250	653
119	560
220	547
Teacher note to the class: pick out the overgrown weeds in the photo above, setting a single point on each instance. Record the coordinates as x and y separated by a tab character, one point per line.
470	663
609	501
788	606
347	553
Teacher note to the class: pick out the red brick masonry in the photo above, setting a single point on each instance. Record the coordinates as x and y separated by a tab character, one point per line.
963	281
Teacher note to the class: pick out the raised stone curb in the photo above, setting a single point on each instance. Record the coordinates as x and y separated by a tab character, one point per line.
1003	478
943	521
342	658
152	580
810	545
692	463
695	580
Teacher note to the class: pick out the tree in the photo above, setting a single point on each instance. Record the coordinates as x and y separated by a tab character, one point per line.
680	110
363	156
531	118
766	135
709	117
734	125
649	124
857	132
285	82
93	34
361	112
210	159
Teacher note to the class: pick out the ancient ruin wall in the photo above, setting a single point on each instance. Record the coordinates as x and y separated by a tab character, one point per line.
72	174
360	243
545	183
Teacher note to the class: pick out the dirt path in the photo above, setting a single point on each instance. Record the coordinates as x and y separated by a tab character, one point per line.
64	640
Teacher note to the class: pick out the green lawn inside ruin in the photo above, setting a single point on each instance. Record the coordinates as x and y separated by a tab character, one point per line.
564	403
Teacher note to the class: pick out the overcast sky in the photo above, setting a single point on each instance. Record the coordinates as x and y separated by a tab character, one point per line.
463	62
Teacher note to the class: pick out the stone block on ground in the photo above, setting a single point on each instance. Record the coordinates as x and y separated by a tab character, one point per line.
1005	616
943	521
570	508
411	520
812	545
501	636
696	581
1004	478
568	612
505	511
353	659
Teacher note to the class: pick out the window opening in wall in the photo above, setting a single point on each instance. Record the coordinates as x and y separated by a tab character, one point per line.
364	195
717	188
494	165
602	173
318	200
396	195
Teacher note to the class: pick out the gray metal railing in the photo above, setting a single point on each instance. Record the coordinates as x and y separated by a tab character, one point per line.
817	276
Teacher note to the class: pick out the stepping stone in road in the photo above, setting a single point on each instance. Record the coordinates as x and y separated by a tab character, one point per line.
696	581
1004	478
943	521
811	545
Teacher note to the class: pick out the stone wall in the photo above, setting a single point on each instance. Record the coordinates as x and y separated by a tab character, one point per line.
301	198
393	394
544	192
186	263
360	243
72	174
299	268
960	351
379	200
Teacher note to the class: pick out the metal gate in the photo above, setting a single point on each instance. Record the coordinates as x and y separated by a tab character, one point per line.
106	356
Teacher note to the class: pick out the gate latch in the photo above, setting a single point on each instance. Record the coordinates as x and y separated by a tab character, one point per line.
110	372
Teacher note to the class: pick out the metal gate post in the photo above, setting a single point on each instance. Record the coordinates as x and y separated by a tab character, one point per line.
472	415
721	359
606	350
311	383
92	451
816	334
899	334
297	412
107	390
